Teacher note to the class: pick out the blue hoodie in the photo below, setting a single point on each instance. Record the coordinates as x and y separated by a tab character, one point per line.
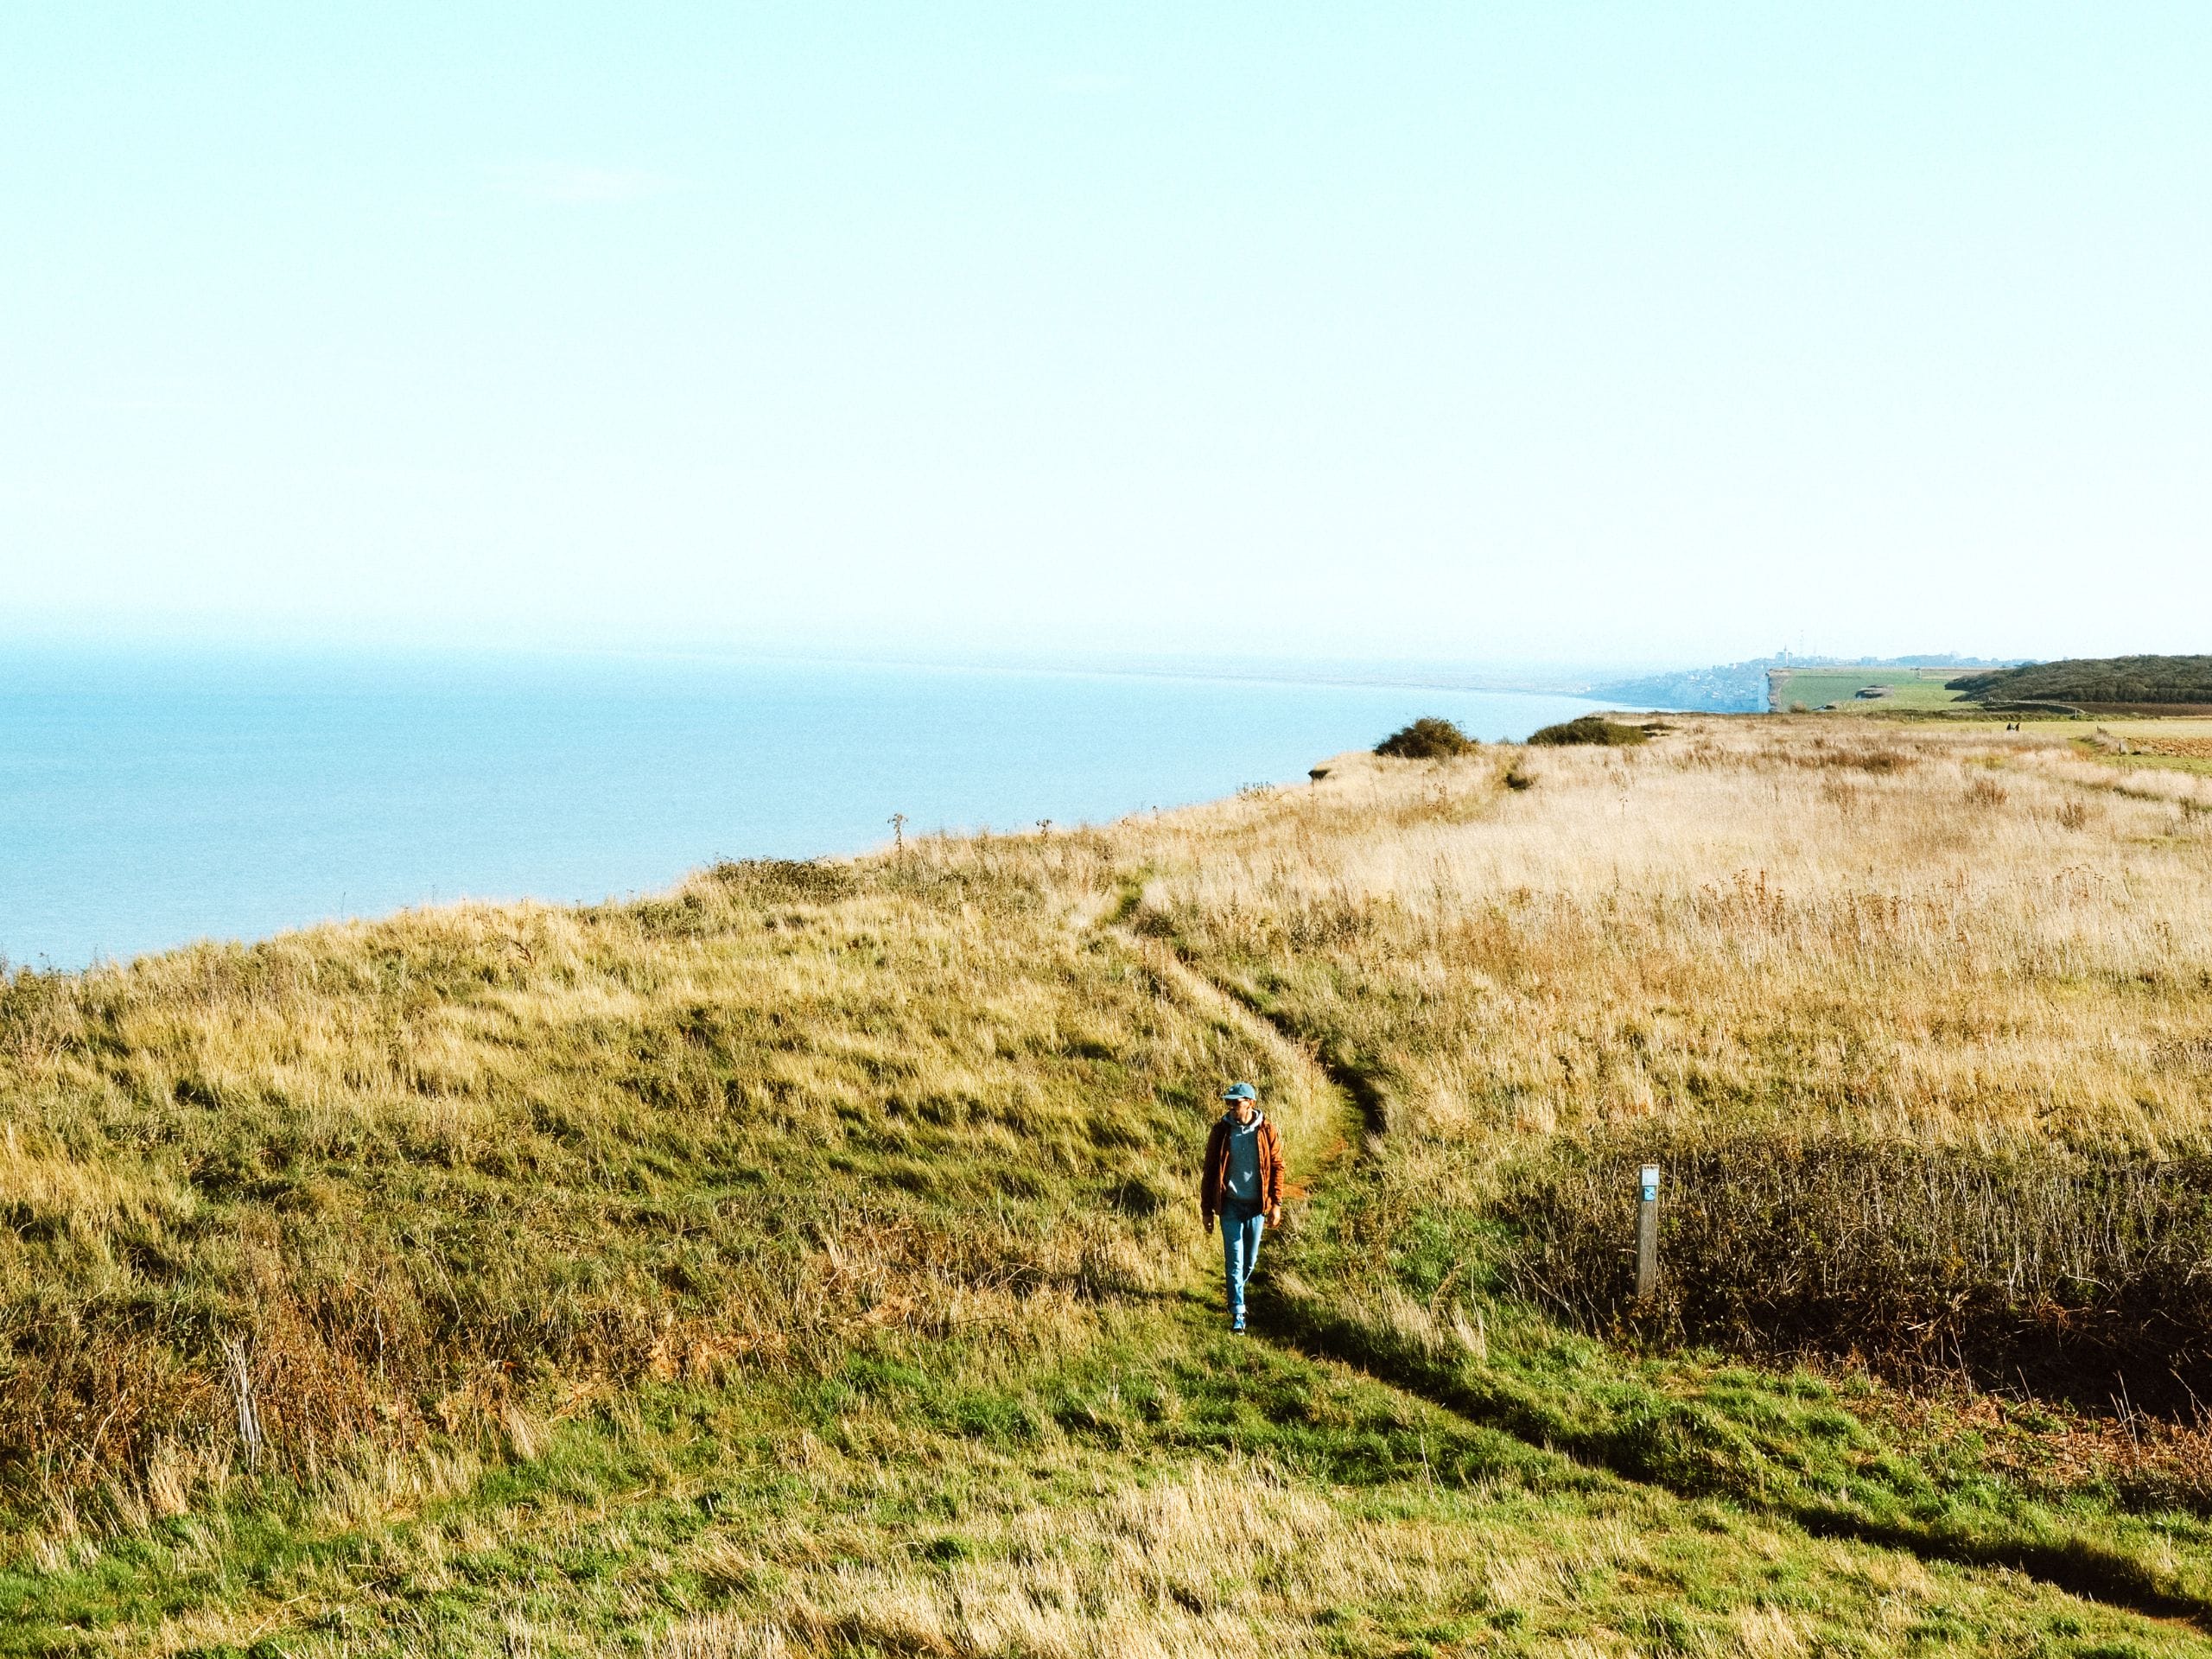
1243	1181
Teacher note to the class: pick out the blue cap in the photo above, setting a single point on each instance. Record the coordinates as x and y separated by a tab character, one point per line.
1240	1091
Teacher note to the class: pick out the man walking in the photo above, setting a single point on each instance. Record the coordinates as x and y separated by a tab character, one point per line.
1242	1185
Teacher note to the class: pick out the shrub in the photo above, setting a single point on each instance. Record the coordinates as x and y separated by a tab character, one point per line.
1591	729
1426	739
2029	1262
782	880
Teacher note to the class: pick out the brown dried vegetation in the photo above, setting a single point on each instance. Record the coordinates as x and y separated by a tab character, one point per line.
421	1170
1914	1019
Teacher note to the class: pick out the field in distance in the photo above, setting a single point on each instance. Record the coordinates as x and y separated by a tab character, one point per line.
1901	688
802	1261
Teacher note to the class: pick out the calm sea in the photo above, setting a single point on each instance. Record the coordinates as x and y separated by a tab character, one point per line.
150	800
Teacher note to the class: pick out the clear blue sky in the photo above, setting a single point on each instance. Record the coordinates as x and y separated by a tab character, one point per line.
1502	333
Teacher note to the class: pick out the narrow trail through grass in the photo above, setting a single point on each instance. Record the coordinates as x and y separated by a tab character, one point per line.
1302	1324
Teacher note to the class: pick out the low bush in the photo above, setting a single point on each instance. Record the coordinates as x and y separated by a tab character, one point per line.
784	880
2029	1263
1426	739
1592	729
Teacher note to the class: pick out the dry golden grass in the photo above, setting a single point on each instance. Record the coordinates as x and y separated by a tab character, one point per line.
1927	932
426	1168
1953	983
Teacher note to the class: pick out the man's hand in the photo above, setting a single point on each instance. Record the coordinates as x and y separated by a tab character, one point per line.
1274	1217
1206	1216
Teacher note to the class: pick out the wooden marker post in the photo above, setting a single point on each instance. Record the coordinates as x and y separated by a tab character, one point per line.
1647	1230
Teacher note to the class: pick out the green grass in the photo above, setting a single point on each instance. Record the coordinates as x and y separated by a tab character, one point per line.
909	1491
1837	1453
1913	688
2189	763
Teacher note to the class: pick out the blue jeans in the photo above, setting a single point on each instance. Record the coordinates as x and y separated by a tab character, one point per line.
1241	1223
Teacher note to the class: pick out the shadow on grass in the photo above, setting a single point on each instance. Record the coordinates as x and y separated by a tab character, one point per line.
1667	1446
1673	1449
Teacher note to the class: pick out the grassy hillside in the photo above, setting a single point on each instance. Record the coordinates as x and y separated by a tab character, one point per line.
2100	683
801	1262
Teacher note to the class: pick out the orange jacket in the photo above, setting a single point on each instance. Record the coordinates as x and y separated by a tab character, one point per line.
1216	1174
